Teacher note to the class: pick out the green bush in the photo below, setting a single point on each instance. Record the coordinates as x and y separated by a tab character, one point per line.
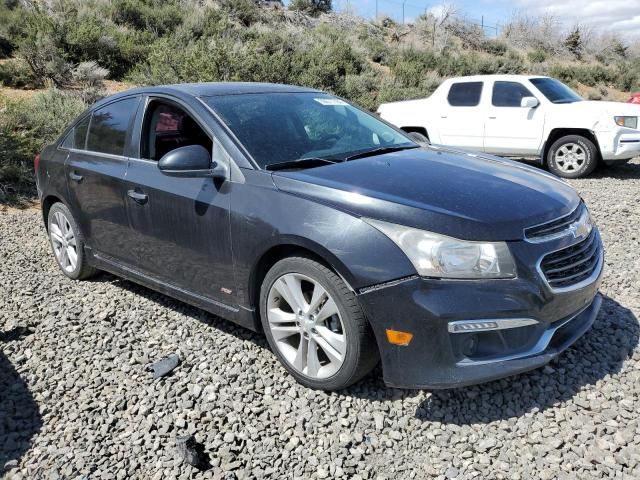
15	73
537	56
26	127
494	47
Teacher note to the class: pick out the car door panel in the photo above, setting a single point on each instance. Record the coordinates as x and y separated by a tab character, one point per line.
95	170
96	192
182	230
513	130
461	122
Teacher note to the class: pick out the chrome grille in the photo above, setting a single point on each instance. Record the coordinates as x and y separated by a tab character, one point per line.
571	265
554	228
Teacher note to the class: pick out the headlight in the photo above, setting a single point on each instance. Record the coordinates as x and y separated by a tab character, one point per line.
629	122
435	255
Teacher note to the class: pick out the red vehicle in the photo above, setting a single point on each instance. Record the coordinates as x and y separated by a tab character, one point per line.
635	98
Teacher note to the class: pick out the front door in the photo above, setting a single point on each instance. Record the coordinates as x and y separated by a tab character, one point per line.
95	170
181	225
511	129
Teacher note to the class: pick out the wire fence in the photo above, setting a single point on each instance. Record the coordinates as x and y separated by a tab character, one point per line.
408	11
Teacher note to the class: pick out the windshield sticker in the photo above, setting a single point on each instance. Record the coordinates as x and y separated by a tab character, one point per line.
331	102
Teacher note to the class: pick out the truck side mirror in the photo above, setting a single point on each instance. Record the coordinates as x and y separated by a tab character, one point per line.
529	102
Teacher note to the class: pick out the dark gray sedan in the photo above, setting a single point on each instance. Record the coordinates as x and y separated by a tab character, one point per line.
291	211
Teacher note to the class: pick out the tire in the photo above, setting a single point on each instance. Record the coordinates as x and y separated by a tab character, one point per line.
63	231
286	332
419	138
572	156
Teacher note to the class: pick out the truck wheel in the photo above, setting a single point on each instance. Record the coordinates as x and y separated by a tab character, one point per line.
572	156
315	326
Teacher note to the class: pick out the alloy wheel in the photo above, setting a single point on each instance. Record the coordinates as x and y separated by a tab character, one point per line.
64	242
570	157
306	325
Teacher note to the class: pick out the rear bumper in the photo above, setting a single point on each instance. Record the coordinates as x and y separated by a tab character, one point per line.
437	358
622	144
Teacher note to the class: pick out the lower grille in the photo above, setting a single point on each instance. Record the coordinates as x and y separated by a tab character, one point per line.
572	265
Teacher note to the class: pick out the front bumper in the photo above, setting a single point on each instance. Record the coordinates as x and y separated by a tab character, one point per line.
438	358
622	144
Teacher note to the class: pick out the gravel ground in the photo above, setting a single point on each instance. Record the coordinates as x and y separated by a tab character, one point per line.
76	401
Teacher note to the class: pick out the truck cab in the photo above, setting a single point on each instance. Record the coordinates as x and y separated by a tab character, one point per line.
523	116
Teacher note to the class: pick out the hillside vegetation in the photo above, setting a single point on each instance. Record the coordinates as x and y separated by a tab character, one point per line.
69	48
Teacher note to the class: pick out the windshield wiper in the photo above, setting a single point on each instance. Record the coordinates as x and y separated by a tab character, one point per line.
300	163
380	151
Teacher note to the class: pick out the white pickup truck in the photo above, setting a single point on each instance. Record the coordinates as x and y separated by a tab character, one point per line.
525	117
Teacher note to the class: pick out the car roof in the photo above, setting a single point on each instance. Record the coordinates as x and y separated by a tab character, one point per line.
498	77
209	89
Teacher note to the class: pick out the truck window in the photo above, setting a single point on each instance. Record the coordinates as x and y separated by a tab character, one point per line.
465	94
509	94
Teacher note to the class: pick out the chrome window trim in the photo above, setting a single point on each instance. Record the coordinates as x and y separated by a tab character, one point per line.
583	283
97	154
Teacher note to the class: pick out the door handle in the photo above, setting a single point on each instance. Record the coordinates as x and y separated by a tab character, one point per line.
75	177
138	197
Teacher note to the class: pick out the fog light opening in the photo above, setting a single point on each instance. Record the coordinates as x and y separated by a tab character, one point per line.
470	346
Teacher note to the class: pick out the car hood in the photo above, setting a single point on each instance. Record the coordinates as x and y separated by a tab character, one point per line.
592	107
467	196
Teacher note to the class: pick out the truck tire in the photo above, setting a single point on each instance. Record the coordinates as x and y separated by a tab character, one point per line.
572	156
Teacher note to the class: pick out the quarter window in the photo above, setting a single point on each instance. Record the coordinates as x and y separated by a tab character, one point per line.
465	94
80	133
509	94
110	125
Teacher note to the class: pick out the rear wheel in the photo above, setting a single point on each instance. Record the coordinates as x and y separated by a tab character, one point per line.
67	243
572	156
315	326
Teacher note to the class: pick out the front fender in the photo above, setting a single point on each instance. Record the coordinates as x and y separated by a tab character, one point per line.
266	218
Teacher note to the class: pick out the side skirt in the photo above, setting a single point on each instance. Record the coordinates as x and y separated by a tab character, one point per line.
240	315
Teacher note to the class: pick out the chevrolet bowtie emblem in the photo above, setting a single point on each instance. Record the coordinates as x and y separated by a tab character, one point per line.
580	229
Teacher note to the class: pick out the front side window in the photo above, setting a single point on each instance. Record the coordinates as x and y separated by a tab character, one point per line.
509	94
283	127
555	90
465	94
110	125
167	127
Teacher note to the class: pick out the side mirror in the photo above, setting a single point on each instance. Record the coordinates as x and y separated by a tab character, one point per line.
191	161
529	102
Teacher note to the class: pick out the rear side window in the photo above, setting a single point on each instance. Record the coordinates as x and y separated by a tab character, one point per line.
465	94
80	133
110	125
509	94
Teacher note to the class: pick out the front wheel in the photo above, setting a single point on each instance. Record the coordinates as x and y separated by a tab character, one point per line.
315	326
572	156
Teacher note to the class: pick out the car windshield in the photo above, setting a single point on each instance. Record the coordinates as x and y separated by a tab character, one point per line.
555	91
283	127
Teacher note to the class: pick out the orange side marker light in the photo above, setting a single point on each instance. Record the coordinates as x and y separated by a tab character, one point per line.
396	337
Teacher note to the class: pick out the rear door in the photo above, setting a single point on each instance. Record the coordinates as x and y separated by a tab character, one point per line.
461	121
181	225
511	129
95	171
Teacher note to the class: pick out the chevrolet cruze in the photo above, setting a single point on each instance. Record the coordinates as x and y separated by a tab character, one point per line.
293	212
